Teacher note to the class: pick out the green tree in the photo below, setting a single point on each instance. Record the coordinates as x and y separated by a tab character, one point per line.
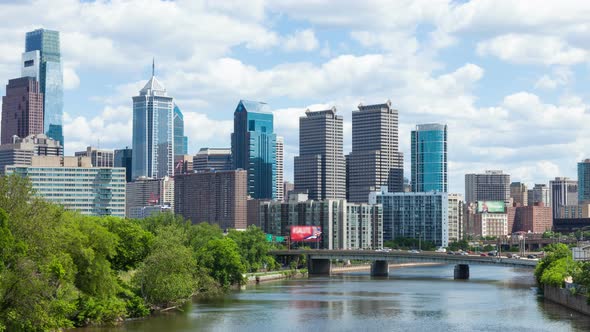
134	243
553	253
201	233
221	258
253	248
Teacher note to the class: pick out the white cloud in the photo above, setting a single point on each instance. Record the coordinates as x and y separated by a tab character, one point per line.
532	49
71	79
303	40
561	76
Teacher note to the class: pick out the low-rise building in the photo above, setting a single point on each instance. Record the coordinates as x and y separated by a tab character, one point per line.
145	192
98	157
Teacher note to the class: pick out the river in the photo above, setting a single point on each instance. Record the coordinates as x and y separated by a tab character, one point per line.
410	299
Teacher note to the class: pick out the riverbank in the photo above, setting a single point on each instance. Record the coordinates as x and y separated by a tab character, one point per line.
257	278
563	296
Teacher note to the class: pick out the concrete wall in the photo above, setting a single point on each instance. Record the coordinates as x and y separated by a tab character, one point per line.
563	297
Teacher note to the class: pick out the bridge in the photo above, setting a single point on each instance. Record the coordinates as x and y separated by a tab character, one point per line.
319	262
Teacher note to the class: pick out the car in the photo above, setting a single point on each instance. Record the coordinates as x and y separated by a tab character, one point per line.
531	256
515	257
483	255
413	251
463	253
450	253
441	249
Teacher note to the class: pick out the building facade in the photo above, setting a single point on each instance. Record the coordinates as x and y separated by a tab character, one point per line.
98	158
539	194
153	132
414	215
124	158
75	184
320	168
375	160
149	192
490	224
532	219
22	109
42	60
21	150
584	181
519	194
490	186
180	141
280	158
253	145
213	197
209	159
429	158
564	192
456	208
183	164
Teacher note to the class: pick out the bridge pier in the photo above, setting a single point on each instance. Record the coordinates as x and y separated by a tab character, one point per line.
461	271
319	267
380	269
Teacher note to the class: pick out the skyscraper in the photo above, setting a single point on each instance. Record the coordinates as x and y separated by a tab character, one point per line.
124	158
539	194
42	60
519	193
153	131
491	186
180	141
208	159
22	109
563	192
98	158
584	181
429	158
375	160
280	167
253	147
320	167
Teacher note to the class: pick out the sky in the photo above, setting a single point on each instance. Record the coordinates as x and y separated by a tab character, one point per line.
509	78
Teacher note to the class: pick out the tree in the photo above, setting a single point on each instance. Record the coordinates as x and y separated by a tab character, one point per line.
553	253
222	260
201	233
134	243
253	247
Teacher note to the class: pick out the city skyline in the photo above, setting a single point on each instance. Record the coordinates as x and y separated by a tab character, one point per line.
449	72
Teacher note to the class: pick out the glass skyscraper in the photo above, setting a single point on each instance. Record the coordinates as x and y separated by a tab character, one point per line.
429	158
180	141
42	59
253	147
584	181
153	132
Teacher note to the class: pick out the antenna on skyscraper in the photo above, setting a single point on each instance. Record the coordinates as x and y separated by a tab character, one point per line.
154	66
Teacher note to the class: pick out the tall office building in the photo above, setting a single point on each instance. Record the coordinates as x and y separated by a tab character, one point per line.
22	150
287	188
124	158
213	197
253	148
208	159
320	168
490	186
22	109
183	164
153	131
456	209
375	160
42	60
584	181
75	184
429	158
564	192
98	158
180	141
415	215
280	157
145	192
519	193
539	194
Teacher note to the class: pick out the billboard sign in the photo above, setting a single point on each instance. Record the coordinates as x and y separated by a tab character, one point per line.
305	233
490	207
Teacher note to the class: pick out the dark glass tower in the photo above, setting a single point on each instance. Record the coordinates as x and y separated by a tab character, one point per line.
429	158
180	141
50	77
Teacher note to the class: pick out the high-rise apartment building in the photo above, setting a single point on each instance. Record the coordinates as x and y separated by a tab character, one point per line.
519	193
98	158
213	197
375	160
180	141
320	168
539	194
414	215
124	158
280	167
149	192
532	219
564	192
490	186
42	60
429	158
21	150
287	188
183	164
22	109
253	145
584	181
75	184
456	209
153	132
208	159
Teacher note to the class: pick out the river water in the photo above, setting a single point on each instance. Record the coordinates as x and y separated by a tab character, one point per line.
410	299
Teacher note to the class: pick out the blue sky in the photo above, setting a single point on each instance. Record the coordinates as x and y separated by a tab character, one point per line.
509	78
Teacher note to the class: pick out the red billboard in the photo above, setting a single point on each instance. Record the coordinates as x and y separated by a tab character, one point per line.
305	233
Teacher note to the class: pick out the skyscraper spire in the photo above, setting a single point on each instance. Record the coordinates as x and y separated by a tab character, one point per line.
153	66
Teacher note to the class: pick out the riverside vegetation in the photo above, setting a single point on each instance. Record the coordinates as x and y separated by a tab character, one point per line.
60	269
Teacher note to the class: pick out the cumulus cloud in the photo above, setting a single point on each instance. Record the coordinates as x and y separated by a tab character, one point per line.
304	40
